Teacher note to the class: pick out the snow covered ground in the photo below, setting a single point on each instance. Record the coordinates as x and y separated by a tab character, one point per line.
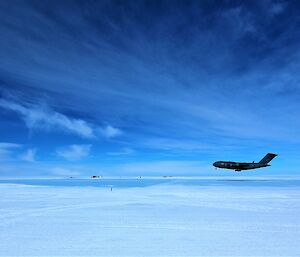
163	219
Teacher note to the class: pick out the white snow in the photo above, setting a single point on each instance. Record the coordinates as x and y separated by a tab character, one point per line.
162	220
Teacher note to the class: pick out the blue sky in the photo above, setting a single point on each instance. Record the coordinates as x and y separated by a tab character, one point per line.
147	87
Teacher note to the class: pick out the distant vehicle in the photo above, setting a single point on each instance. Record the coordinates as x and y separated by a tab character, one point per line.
94	176
238	166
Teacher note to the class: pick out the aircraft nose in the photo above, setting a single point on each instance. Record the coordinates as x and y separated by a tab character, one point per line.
215	164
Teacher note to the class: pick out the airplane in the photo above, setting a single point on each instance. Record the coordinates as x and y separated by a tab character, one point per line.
238	166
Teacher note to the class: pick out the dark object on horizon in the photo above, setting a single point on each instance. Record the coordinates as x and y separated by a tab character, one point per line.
95	176
238	166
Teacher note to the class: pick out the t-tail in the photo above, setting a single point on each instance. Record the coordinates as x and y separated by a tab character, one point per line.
269	157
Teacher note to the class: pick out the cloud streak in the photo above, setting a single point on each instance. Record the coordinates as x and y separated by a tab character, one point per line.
40	117
74	152
7	150
123	152
29	155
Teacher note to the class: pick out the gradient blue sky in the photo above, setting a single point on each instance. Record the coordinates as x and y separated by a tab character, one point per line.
148	87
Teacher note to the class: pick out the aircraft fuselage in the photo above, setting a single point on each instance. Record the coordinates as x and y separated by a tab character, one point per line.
238	166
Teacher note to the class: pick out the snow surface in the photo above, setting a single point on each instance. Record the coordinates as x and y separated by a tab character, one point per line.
156	220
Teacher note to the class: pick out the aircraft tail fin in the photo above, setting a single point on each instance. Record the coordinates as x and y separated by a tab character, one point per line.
269	157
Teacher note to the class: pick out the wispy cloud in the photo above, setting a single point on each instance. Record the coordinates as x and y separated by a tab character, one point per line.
123	151
110	132
11	152
28	155
74	152
7	150
277	8
42	117
4	145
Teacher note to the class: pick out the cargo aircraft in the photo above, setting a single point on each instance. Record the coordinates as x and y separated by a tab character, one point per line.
238	166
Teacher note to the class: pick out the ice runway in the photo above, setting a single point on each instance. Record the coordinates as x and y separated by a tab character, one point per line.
150	218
